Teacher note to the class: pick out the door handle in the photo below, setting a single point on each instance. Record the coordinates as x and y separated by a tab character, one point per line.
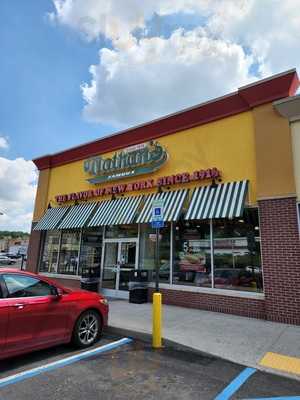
19	306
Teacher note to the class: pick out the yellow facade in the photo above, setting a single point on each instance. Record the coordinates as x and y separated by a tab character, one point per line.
273	148
41	200
227	144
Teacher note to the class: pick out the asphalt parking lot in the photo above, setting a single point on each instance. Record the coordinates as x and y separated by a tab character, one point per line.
135	371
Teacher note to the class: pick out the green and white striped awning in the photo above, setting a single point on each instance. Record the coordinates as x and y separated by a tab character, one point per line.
51	218
77	216
225	200
173	202
121	211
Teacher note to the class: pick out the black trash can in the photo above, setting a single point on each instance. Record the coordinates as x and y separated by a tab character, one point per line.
90	278
138	286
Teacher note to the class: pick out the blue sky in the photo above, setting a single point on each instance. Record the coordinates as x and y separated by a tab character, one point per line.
41	69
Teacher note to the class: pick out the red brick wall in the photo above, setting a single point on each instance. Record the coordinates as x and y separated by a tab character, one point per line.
281	259
245	307
34	251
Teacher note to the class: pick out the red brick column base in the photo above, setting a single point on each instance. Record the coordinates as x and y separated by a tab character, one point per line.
34	251
281	259
254	308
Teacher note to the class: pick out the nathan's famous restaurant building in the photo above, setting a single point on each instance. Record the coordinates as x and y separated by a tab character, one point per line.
225	171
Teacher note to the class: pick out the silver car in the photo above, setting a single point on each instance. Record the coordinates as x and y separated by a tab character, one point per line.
4	260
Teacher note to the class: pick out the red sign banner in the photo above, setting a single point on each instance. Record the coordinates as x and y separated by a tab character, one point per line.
185	177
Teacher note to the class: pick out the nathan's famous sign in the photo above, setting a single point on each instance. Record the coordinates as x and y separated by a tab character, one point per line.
133	161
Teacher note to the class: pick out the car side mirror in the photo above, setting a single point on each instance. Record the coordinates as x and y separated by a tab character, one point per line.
57	292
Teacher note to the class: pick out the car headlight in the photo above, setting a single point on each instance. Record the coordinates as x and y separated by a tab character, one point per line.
103	301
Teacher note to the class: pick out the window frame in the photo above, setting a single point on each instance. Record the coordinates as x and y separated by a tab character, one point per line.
66	232
3	289
41	253
7	294
81	231
143	235
212	288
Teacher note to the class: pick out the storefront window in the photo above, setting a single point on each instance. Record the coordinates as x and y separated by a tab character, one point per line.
91	250
50	252
237	260
147	251
237	253
69	250
192	261
121	231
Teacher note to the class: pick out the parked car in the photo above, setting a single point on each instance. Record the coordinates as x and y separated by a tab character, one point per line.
13	255
227	276
202	279
36	313
237	278
4	260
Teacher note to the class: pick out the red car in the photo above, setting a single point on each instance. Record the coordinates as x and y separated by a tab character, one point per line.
36	313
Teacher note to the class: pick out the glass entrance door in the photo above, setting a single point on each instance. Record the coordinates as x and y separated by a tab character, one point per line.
109	275
120	258
127	263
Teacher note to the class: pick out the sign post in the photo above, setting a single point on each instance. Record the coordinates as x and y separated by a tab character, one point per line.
157	223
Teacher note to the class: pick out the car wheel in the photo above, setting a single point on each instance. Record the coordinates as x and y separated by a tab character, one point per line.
87	329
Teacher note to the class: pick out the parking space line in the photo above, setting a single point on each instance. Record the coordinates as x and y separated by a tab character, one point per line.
236	384
62	363
281	362
277	398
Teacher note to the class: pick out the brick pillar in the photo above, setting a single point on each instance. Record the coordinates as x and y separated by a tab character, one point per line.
34	251
281	259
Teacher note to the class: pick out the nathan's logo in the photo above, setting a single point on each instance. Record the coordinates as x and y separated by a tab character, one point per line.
136	160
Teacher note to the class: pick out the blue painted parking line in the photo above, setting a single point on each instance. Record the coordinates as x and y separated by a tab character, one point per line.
236	384
62	363
278	398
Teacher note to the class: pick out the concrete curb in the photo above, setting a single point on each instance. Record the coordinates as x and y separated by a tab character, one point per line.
147	337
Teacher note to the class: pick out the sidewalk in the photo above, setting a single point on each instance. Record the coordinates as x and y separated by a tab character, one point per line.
238	339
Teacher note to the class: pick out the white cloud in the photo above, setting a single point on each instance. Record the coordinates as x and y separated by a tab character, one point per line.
158	76
112	18
115	19
4	142
18	182
270	32
139	80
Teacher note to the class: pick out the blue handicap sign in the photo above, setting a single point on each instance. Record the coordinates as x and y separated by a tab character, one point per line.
157	220
157	211
157	224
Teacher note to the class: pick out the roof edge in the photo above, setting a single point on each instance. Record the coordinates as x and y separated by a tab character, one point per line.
289	107
261	92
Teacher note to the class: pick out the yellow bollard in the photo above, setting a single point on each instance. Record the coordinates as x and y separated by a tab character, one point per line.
156	321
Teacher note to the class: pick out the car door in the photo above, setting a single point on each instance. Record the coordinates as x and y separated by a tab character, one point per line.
23	314
4	309
54	320
35	315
